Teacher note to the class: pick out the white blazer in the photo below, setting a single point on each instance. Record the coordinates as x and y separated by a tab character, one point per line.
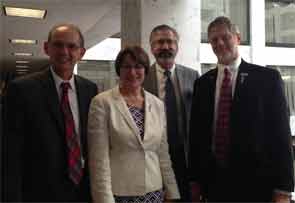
120	162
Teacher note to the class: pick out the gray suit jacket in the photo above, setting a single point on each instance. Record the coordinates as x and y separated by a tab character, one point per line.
185	79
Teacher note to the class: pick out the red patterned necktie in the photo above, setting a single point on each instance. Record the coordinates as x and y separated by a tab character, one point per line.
73	146
222	134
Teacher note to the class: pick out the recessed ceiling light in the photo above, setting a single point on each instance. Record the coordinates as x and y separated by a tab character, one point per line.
22	62
22	41
22	54
22	66
24	12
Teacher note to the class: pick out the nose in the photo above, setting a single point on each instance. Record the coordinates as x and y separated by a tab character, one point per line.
165	45
64	49
219	41
131	70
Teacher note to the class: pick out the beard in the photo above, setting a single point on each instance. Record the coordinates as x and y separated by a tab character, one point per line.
166	54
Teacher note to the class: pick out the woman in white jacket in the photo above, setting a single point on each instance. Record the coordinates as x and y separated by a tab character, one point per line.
128	150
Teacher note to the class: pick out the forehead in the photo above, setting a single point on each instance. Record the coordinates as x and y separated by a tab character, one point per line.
65	34
219	30
163	34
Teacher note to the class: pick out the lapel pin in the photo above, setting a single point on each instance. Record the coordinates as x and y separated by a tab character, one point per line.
243	76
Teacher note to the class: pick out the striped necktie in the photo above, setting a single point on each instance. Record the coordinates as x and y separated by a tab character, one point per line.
73	145
222	133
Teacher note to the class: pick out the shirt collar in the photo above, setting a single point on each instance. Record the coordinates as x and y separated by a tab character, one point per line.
58	80
233	67
161	70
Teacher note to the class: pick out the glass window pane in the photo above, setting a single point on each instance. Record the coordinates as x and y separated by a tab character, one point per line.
279	23
236	10
288	76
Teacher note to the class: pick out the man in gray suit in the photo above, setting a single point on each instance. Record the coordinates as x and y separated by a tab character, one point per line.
164	46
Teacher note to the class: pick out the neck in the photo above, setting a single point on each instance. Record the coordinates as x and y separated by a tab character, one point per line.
130	92
65	75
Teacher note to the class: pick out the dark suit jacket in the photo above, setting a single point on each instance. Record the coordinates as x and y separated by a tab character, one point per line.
35	155
260	157
185	78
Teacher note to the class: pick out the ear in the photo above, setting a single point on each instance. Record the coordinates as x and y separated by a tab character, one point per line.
238	36
45	47
82	52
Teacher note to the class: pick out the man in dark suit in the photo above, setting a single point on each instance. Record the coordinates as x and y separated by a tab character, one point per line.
164	46
240	136
40	164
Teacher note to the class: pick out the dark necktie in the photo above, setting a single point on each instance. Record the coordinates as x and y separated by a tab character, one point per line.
222	134
171	111
73	144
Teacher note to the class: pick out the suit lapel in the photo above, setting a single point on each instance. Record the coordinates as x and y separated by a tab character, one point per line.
122	107
148	109
212	87
180	80
51	97
241	82
151	81
83	112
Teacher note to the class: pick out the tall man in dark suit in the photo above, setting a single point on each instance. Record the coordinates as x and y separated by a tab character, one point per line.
240	135
164	46
45	154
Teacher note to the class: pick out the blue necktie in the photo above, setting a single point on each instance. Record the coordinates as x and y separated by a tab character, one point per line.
171	111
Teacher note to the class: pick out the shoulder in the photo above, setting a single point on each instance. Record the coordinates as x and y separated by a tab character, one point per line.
84	81
259	71
105	96
30	80
187	71
211	74
153	99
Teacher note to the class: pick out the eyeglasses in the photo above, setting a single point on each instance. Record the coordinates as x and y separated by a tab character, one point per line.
61	45
129	66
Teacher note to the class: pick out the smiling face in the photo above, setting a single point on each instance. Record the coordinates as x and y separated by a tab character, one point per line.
164	46
132	73
64	50
224	43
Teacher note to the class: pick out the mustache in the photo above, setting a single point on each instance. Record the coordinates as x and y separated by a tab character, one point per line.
166	54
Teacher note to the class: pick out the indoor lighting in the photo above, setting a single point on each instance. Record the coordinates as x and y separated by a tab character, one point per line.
286	77
22	62
22	41
22	54
21	66
24	12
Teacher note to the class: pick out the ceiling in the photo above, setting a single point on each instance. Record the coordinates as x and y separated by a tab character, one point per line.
97	19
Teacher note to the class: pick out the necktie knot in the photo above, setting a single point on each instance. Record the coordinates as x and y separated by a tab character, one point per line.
227	76
65	86
167	73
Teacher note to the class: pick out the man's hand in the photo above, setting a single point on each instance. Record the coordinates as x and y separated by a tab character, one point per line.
281	198
196	192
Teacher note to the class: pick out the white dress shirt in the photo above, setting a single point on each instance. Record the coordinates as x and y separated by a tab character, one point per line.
72	93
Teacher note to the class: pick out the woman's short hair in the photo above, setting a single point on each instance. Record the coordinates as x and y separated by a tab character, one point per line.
137	53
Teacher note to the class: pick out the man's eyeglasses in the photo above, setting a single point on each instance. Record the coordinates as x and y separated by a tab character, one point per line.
61	45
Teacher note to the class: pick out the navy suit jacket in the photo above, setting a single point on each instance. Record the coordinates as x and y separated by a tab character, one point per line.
34	146
260	158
